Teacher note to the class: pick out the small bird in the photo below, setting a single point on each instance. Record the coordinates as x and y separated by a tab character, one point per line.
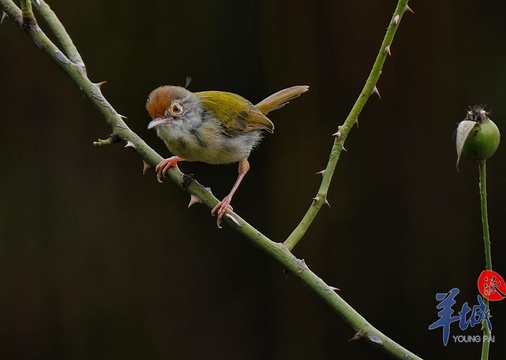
214	127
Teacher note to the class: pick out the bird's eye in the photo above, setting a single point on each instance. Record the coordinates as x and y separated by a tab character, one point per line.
176	109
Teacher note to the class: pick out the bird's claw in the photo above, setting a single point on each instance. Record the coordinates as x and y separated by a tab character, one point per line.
164	166
221	209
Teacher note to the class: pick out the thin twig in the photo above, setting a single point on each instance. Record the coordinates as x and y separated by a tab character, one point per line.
482	164
26	10
341	135
61	34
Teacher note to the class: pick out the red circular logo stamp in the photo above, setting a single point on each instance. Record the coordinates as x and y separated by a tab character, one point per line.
491	285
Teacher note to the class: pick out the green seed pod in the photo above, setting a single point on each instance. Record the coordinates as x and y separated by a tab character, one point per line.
478	137
483	141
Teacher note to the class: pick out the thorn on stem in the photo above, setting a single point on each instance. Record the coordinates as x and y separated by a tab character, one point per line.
397	19
232	219
337	134
376	91
194	200
130	144
345	149
327	203
315	200
322	173
145	167
409	9
4	15
387	50
100	84
357	336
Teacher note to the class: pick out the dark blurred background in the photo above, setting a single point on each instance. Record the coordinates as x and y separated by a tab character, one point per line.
100	262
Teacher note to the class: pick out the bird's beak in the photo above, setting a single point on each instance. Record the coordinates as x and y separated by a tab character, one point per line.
158	121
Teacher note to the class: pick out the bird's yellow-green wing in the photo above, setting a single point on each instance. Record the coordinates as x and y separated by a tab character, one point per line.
235	112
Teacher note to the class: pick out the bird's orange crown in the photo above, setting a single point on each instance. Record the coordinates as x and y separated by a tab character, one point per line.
158	102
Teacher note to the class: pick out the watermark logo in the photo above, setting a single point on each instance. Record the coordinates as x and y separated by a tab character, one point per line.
491	286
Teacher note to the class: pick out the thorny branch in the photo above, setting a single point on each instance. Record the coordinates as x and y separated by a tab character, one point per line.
70	61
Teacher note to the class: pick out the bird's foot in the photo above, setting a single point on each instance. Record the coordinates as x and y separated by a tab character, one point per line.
164	166
221	209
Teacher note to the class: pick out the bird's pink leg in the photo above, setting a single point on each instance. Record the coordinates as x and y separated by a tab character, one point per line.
224	204
164	166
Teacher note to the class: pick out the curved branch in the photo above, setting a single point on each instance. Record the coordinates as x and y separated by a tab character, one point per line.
340	136
61	34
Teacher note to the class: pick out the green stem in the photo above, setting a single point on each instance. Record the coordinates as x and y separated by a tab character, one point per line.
59	30
488	252
484	213
340	136
363	329
26	9
10	10
77	74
